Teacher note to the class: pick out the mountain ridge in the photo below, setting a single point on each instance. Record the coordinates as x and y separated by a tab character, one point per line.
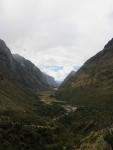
16	67
93	82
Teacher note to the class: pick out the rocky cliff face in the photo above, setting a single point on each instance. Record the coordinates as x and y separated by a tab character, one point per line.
93	83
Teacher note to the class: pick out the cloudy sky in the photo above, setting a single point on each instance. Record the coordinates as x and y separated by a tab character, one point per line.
57	35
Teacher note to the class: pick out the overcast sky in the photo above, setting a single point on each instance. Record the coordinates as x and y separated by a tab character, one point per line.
57	35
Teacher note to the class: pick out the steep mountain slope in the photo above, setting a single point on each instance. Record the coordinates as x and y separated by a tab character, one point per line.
6	61
20	80
25	121
15	95
29	75
50	80
93	83
16	67
68	78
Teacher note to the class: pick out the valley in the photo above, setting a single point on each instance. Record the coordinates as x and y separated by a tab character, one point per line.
36	116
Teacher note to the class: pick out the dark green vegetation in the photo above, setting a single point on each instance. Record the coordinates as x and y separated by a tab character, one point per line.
41	126
30	124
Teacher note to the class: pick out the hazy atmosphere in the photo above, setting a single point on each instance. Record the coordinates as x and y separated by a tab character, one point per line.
57	35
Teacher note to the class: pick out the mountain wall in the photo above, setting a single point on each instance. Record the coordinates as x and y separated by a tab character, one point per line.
93	82
24	72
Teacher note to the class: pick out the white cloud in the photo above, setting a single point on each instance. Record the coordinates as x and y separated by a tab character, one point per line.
56	32
59	72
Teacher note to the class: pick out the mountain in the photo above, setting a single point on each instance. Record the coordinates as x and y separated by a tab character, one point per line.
6	61
50	80
20	80
26	121
21	70
68	78
29	75
32	118
15	97
32	76
93	82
